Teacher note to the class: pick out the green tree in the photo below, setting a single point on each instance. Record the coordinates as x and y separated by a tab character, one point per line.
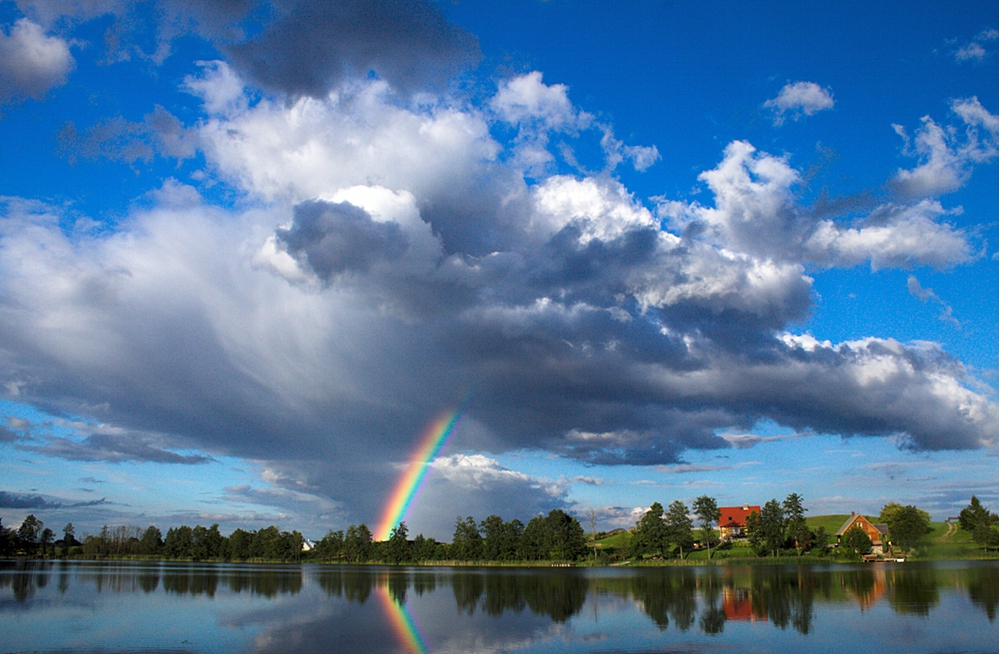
568	540
151	541
908	525
795	519
772	526
330	547
755	534
492	529
238	545
398	547
890	510
857	540
820	540
45	539
679	526
467	542
357	543
424	549
178	543
535	540
650	533
69	538
708	512
983	524
27	533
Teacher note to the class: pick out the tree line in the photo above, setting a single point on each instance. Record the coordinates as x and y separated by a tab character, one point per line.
557	536
779	528
196	543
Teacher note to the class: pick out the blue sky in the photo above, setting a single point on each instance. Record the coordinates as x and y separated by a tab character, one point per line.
249	251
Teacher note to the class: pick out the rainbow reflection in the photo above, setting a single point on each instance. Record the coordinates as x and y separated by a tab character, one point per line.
402	623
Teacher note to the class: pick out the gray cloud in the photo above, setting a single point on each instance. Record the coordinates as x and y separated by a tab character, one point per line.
37	502
312	45
928	295
31	62
14	501
333	238
159	133
111	448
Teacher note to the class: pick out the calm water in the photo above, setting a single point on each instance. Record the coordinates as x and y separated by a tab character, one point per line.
117	607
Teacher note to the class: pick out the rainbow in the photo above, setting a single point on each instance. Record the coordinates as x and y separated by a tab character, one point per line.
406	489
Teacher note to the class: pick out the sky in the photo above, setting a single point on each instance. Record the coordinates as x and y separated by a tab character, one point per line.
250	251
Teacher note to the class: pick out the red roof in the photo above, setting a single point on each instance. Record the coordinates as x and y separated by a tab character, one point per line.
736	516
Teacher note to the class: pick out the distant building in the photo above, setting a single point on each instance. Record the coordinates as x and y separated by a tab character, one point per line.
879	533
733	520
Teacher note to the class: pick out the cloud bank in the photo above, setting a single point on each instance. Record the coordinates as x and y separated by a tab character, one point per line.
392	253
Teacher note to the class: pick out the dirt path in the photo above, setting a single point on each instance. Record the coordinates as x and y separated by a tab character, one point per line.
952	528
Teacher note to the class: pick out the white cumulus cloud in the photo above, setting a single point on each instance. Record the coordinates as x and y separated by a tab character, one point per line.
799	99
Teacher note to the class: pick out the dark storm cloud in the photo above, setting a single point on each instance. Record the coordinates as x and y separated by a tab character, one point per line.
333	238
313	44
20	501
14	501
113	449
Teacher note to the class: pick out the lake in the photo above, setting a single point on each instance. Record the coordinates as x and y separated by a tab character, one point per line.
55	606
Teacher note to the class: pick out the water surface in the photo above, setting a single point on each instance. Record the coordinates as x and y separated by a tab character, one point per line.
170	607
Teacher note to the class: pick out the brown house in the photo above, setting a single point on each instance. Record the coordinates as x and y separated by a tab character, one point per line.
879	533
733	520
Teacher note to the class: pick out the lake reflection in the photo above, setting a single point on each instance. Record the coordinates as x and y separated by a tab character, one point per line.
66	606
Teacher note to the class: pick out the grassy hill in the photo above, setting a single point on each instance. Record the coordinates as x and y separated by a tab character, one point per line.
945	542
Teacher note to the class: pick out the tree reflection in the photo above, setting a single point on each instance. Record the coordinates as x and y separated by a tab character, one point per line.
913	592
667	594
983	587
352	583
558	596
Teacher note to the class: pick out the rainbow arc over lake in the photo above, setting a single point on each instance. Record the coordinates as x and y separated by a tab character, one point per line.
431	442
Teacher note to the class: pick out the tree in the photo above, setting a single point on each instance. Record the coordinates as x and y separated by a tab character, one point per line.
494	538
795	519
772	526
151	541
820	540
856	539
890	510
568	541
330	547
467	543
397	547
650	532
178	542
678	526
69	536
46	538
908	524
238	545
357	543
28	532
983	524
755	534
5	539
708	512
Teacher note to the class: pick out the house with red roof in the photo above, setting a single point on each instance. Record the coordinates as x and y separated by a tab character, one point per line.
733	520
